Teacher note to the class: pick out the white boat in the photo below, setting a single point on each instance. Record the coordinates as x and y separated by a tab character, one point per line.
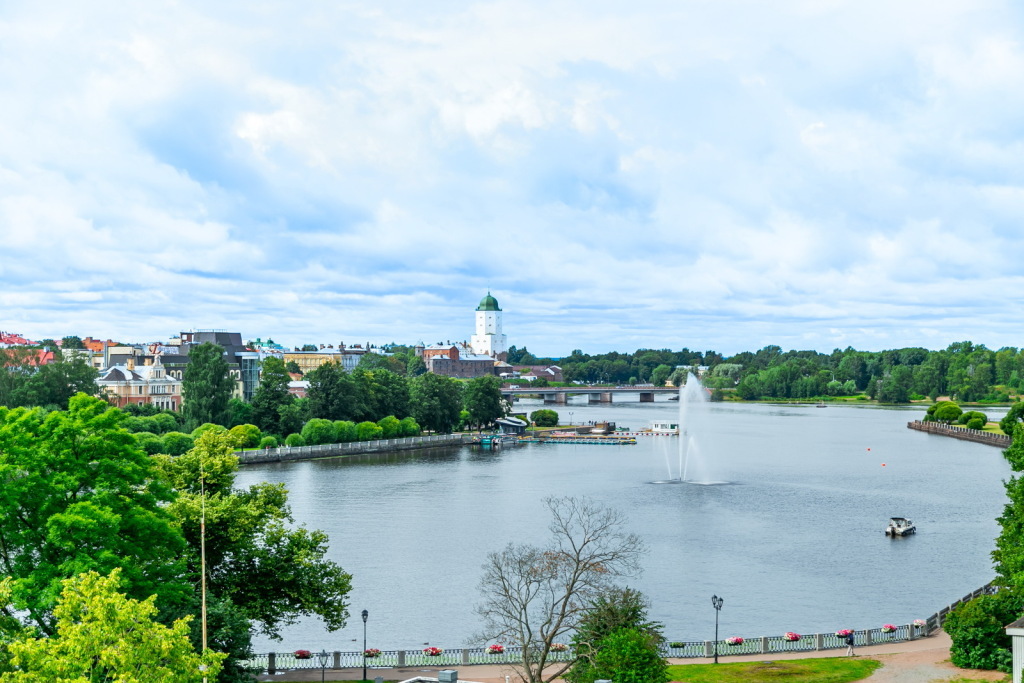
660	428
900	526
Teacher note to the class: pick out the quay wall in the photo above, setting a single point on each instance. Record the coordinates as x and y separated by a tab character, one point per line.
962	433
286	453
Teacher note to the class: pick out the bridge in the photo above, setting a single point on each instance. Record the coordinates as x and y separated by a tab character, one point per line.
560	395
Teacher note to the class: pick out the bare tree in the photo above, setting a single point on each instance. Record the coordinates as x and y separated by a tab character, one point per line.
535	596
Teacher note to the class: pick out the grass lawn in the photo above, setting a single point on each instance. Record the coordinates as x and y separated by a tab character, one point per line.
829	670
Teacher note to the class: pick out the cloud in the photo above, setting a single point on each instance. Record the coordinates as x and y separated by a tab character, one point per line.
712	175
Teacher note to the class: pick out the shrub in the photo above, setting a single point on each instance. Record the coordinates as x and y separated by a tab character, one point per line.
368	431
268	442
294	440
162	423
345	431
972	415
409	427
319	431
977	629
246	436
149	442
390	427
544	417
976	423
630	656
177	443
205	428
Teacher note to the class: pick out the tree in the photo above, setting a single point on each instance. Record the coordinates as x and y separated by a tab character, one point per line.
383	392
76	495
544	417
628	655
54	384
272	572
271	395
535	596
612	612
103	635
482	398
1012	418
206	386
333	393
72	342
319	431
293	368
436	402
660	374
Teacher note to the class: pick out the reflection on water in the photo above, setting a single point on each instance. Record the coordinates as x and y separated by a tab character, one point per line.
796	542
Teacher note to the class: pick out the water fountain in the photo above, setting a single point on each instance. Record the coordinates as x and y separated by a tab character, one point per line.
692	467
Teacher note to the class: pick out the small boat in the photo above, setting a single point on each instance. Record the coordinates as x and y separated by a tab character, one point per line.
899	526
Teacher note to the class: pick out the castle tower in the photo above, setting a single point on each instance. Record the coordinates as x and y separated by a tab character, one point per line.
489	340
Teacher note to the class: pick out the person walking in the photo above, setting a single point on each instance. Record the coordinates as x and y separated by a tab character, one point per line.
849	645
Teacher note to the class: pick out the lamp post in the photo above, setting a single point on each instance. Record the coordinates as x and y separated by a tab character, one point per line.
322	658
366	615
570	418
716	602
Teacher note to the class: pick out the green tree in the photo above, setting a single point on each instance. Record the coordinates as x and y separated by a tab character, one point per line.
272	572
319	431
482	398
76	495
628	655
333	393
383	391
978	631
391	427
1012	418
368	431
408	427
436	402
72	342
245	436
52	385
293	367
609	613
271	395
345	431
545	417
239	412
103	635
660	374
206	386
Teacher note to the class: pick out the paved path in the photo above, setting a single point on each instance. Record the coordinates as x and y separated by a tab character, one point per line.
925	660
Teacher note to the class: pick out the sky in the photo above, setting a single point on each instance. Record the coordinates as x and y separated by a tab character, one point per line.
708	174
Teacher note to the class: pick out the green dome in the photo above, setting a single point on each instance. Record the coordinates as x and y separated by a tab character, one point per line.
488	303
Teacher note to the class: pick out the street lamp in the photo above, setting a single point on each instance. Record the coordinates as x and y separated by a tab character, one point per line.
322	658
570	418
366	615
716	602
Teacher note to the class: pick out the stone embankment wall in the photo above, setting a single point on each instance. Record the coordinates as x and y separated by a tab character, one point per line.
975	435
285	453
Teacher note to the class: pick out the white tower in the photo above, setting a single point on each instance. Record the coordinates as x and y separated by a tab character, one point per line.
488	340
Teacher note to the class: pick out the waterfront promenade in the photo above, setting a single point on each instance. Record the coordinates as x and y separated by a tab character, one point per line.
925	660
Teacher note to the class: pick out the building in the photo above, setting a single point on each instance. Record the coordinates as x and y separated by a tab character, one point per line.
347	356
457	360
150	383
489	339
528	373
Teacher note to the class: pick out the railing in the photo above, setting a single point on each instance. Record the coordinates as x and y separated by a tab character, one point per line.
275	662
962	433
283	453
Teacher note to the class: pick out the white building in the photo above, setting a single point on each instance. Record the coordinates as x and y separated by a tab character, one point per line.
489	339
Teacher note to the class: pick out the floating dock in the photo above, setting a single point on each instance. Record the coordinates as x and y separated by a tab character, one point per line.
581	439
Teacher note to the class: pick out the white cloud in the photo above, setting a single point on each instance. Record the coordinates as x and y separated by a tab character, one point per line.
716	175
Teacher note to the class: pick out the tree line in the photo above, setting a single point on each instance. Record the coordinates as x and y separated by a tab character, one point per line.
963	371
371	394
